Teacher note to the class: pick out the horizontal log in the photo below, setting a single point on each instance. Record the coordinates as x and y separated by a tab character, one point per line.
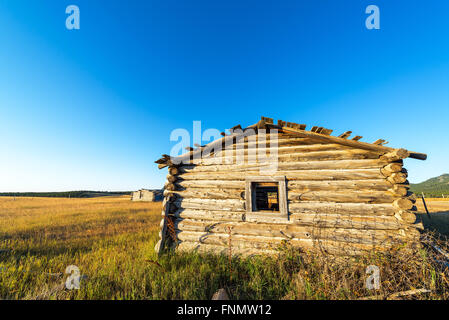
295	231
303	185
345	174
346	221
396	154
295	165
180	185
418	155
353	196
211	204
210	215
293	207
261	148
274	243
281	140
364	222
349	154
341	208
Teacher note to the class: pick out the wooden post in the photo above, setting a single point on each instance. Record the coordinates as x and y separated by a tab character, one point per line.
425	206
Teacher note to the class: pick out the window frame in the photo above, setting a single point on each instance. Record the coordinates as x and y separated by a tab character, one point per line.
282	195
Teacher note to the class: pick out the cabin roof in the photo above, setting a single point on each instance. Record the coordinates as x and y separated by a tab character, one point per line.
318	133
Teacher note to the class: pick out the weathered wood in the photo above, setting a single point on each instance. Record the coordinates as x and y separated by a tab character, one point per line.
345	135
318	220
210	215
343	196
264	149
396	154
391	168
272	242
294	231
398	177
280	140
171	178
163	232
350	143
303	185
362	196
406	216
354	196
403	204
309	156
341	208
344	174
418	155
211	204
293	165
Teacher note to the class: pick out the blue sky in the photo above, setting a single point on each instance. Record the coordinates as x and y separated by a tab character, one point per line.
94	108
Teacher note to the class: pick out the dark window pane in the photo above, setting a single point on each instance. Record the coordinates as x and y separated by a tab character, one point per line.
266	196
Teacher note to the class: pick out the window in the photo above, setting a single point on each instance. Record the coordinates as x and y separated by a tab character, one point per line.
266	195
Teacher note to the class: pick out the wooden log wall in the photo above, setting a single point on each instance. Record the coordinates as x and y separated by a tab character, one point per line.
341	200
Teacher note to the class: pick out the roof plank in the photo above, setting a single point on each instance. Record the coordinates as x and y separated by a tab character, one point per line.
345	135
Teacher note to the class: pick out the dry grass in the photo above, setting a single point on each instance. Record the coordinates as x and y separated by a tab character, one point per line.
102	236
111	240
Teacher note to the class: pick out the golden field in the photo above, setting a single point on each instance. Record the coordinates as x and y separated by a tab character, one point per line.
112	242
105	237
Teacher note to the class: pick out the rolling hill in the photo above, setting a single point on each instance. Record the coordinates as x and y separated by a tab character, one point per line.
433	187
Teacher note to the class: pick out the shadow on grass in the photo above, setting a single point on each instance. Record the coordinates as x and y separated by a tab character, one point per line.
439	221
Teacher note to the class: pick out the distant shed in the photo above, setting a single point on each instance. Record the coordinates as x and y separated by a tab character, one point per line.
327	193
147	195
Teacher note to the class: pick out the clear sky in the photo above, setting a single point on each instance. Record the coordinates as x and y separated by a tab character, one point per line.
94	108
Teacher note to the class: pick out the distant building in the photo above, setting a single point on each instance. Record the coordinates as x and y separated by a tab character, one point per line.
147	195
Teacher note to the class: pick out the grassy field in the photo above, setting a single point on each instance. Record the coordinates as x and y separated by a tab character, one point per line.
111	240
439	214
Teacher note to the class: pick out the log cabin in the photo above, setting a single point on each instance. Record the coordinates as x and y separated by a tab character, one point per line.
259	188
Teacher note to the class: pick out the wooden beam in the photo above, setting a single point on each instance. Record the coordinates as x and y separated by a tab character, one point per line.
267	120
345	135
418	155
379	141
357	138
345	142
327	132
